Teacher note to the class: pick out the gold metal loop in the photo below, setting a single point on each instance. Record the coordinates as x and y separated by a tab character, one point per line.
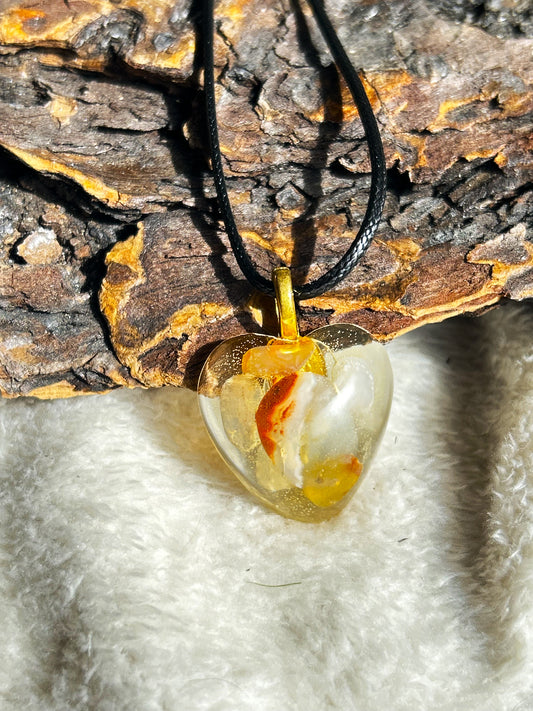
285	306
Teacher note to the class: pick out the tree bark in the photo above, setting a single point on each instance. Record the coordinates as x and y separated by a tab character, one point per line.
114	270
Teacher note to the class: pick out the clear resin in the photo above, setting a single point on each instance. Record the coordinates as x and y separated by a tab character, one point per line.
298	420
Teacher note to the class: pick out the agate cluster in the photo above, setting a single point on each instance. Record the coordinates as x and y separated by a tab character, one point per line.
298	421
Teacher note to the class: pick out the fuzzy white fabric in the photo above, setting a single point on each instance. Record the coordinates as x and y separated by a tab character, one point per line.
136	574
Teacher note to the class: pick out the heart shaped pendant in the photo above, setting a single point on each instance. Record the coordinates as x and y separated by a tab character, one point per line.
298	419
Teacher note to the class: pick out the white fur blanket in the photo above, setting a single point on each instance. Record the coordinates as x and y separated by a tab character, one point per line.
136	574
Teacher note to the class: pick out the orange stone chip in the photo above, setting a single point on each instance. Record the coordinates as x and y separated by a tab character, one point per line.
274	410
326	483
278	358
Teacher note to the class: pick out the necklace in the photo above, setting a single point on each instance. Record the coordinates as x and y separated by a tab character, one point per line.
298	418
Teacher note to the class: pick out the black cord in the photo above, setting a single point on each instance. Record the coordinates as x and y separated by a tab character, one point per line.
375	148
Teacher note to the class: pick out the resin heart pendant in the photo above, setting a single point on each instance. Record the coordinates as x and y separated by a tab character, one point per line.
298	419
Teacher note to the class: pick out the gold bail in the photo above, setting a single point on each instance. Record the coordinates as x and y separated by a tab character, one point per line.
285	306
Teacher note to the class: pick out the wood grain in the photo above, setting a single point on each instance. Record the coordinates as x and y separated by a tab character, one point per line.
113	268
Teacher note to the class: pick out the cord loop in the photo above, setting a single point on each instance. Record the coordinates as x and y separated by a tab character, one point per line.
376	200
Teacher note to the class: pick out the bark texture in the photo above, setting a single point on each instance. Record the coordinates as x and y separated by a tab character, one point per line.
113	268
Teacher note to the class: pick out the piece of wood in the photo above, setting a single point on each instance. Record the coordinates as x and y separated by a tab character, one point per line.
112	269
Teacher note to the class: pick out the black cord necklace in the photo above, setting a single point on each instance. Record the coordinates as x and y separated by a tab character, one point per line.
298	418
375	147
